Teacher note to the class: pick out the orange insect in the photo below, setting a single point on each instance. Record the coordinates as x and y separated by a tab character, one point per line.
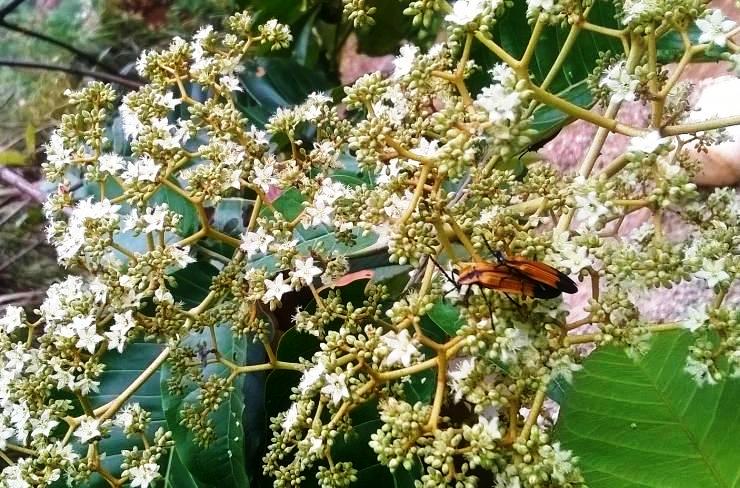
516	274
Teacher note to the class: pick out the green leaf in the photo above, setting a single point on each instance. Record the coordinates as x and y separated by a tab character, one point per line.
421	387
646	423
121	370
271	83
446	317
12	157
178	475
193	283
390	28
670	47
294	345
305	51
189	222
222	463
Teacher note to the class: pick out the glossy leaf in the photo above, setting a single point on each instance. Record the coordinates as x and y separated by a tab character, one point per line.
189	216
121	370
646	423
222	463
271	83
193	283
178	475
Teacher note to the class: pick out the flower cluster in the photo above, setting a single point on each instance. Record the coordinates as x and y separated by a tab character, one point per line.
456	379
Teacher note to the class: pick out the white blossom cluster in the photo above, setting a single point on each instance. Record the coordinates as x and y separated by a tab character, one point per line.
432	186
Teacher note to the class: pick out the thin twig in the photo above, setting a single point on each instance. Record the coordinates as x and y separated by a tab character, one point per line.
10	7
80	72
91	59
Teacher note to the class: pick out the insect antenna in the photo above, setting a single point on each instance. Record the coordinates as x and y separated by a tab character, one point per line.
446	274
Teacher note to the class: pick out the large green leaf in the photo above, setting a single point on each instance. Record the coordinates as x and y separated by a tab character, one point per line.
271	83
222	463
646	423
121	370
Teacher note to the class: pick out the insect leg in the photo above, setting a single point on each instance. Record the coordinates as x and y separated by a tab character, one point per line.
447	275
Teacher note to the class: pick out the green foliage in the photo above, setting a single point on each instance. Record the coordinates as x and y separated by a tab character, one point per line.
645	422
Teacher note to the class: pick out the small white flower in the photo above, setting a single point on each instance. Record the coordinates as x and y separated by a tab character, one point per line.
118	333
167	100
490	425
291	417
619	81
255	242
404	62
88	338
513	341
304	271
634	8
316	443
696	317
336	387
311	377
231	83
648	144
465	11
275	289
544	6
714	27
591	209
144	169
713	272
13	319
264	175
457	373
699	372
181	257
111	163
163	295
42	425
125	417
400	346
88	429
144	475
501	103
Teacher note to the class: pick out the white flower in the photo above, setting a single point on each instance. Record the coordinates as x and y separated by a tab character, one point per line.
291	417
466	11
501	103
317	214
163	295
316	443
304	271
504	480
154	218
12	320
181	257
622	85
699	372
130	121
634	8
545	6
336	387
398	204
425	148
167	100
714	27
648	143
88	338
591	209
254	242
264	175
125	417
117	335
143	475
275	289
490	425
713	272
567	254
458	372
404	62
513	341
144	169
13	477
111	163
400	346
42	425
311	377
695	318
88	429
231	83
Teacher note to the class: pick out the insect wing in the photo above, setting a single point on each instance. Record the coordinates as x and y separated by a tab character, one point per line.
544	274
